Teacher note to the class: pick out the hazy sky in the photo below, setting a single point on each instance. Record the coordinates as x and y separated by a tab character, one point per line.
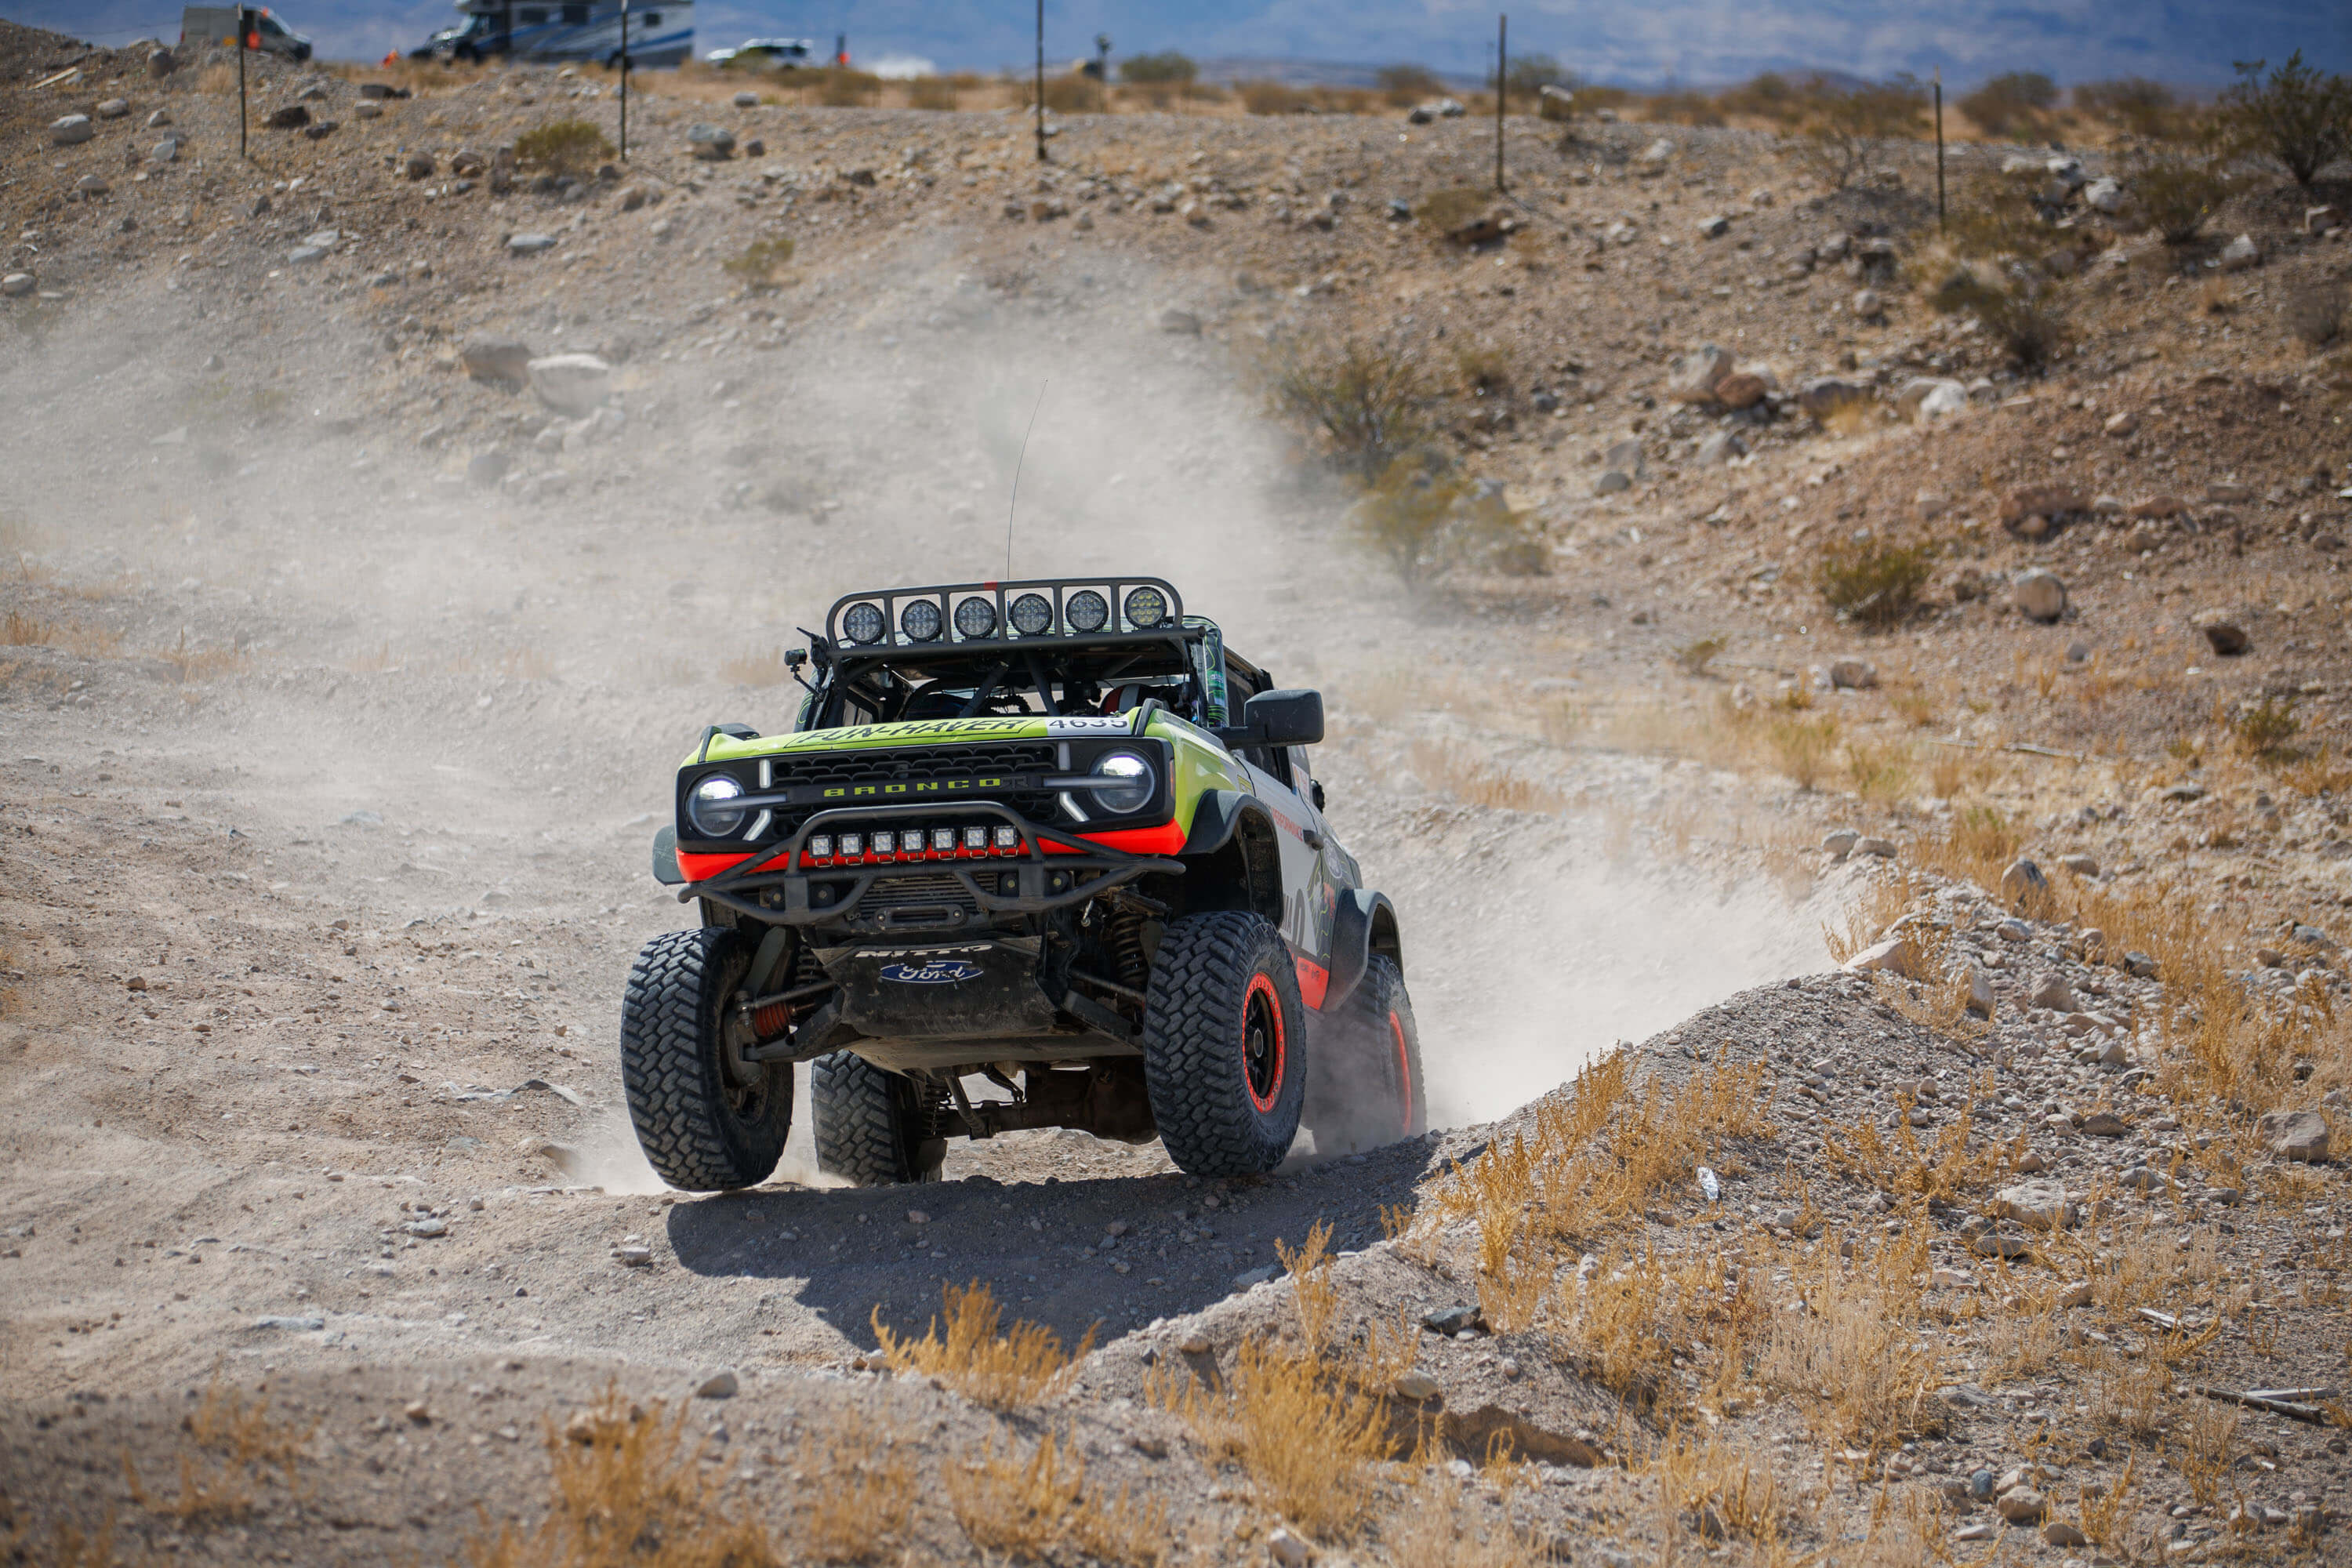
1636	41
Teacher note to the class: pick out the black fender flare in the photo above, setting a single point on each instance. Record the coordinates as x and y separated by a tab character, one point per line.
1363	923
665	869
1227	819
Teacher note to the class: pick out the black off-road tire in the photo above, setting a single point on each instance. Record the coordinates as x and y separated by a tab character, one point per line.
1367	1090
869	1124
702	1128
1220	984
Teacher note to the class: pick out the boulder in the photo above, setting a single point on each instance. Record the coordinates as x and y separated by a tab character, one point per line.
2297	1135
2039	596
2022	881
161	63
289	117
1852	675
1692	377
71	130
713	143
747	101
2222	632
1743	389
15	285
2241	254
1928	397
496	360
2036	1205
1824	394
2054	993
1894	955
2105	194
575	384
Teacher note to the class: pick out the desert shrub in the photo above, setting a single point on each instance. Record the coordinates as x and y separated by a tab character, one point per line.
1366	394
1406	85
1273	98
2133	103
563	147
1847	130
2266	729
2297	117
1074	95
1874	582
1994	213
1166	67
762	265
931	93
840	88
1770	96
1404	516
2012	104
983	1361
1694	656
1682	108
2175	192
1530	74
1483	368
2024	317
2314	313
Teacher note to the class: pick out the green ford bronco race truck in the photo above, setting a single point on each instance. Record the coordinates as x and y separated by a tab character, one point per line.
1052	837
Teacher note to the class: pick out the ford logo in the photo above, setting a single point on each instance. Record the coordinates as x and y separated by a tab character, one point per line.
941	971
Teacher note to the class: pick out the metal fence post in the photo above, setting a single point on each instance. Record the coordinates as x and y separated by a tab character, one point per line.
1502	57
1939	149
624	80
240	82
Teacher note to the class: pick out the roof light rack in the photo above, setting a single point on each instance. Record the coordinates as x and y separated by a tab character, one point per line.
1006	615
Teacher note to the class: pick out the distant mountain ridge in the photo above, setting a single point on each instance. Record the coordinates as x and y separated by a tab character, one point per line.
1656	43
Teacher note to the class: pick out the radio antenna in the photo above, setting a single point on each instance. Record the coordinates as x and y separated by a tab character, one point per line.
1024	457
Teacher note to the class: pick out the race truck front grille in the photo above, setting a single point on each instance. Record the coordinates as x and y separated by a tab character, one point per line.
910	775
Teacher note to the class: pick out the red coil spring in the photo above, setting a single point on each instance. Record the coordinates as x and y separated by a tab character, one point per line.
772	1020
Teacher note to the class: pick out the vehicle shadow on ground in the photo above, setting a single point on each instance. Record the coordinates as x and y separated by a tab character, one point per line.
847	1253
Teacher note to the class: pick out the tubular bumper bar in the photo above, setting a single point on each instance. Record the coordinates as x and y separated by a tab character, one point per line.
742	886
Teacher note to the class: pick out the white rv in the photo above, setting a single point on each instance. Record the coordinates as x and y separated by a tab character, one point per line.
659	33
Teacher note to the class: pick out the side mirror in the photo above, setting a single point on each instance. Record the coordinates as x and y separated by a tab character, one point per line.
1284	718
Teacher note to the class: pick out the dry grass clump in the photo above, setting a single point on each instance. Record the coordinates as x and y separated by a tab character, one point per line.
762	264
572	147
1434	1527
2264	731
1027	1508
628	1492
1001	1370
18	629
859	1496
1074	95
233	1445
1698	1478
2026	318
1308	1434
933	92
1479	782
192	664
1852	1357
1365	395
2175	192
1802	748
1876	581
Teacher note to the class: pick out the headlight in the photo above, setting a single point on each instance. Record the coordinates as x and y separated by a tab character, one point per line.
1033	614
1127	797
1086	611
920	620
975	618
711	809
1146	608
863	624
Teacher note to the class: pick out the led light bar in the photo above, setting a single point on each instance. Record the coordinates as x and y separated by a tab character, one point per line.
891	846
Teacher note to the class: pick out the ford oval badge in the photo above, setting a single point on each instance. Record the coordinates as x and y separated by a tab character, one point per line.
939	971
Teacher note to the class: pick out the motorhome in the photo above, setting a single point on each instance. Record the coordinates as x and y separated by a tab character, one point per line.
660	32
264	29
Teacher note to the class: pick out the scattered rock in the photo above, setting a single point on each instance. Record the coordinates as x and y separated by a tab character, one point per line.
2079	864
113	109
2222	632
1251	1279
1825	394
2078	1294
91	185
496	360
1692	377
2121	425
2105	194
530	244
16	285
720	1384
1883	848
1288	1550
1895	955
1839	842
1980	993
1926	398
289	117
487	468
2021	1505
71	130
2241	254
1452	1320
2297	1135
2105	1124
167	151
2042	501
2058	1533
1418	1386
2054	993
713	143
1715	226
2038	595
1180	321
2139	964
633	1257
1868	304
291	1325
161	117
1720	446
2037	1205
1852	675
747	101
367	109
2023	880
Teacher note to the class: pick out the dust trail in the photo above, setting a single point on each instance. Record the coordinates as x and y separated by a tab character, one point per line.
1570	959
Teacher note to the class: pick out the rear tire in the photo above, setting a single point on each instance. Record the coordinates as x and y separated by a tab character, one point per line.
1368	1088
1225	1059
870	1128
707	1120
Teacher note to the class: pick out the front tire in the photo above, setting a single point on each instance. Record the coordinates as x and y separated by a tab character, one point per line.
708	1119
870	1128
1367	1087
1223	1046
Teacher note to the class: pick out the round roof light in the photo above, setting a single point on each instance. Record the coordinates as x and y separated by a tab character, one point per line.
1033	614
921	620
1086	611
976	617
863	624
1146	608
